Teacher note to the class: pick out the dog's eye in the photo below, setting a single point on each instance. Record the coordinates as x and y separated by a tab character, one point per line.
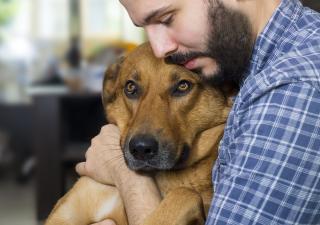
184	85
182	88
131	89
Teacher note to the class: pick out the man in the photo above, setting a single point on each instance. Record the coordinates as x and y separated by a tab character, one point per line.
268	168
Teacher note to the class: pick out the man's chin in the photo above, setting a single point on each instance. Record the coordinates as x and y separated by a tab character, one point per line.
209	66
216	79
209	73
211	77
206	67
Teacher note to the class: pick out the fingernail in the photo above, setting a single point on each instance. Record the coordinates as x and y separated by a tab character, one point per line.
108	222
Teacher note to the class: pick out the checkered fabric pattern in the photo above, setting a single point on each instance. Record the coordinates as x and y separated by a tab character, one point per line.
268	168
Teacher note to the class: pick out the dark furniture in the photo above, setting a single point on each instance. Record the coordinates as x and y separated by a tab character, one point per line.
314	4
64	125
16	122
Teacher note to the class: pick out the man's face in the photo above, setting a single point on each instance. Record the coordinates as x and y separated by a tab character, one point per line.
202	35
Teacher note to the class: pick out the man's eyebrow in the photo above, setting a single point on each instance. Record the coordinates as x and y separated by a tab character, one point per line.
149	17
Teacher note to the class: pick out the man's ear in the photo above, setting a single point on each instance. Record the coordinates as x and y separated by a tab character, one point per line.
110	81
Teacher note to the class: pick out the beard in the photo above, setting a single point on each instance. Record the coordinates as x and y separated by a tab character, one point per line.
229	43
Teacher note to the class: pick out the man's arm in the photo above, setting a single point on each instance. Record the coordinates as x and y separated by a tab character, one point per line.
269	173
105	222
140	196
105	164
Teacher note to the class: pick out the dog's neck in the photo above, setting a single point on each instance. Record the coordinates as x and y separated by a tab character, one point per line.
209	138
198	175
207	142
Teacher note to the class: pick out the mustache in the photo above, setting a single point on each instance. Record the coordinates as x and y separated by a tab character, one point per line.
181	58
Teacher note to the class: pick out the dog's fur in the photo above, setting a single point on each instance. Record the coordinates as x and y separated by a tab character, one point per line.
184	119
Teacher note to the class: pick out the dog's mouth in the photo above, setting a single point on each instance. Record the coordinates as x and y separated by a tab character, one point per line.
144	153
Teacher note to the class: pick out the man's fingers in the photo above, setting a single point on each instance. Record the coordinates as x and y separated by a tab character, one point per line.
105	222
81	169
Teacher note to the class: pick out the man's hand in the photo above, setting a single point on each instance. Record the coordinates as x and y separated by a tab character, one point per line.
105	164
104	158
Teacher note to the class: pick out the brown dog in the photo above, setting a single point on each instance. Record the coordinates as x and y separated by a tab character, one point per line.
170	123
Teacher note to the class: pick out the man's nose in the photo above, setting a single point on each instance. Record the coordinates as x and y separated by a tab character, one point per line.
162	43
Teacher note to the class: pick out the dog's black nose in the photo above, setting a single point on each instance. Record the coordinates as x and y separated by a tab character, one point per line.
143	147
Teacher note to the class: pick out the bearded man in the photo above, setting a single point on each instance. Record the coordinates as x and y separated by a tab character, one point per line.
268	168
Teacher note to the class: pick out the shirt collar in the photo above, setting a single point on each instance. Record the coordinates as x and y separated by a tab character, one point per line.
266	44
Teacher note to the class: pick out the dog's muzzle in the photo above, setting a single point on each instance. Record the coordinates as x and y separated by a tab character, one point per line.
146	152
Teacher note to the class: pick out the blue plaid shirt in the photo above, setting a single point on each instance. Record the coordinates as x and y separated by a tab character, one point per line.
268	168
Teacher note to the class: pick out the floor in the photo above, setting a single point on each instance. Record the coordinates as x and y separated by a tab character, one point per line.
17	203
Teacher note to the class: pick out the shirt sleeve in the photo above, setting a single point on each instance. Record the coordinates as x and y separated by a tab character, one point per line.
271	171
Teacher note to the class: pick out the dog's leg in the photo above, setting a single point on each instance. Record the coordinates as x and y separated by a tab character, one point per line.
181	206
88	202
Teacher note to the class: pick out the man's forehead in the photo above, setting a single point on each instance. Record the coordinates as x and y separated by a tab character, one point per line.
142	10
146	3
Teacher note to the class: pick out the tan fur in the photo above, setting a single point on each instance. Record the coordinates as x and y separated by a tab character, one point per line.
195	119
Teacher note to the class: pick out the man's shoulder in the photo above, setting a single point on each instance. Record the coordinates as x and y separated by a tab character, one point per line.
308	15
298	58
308	19
294	60
298	55
300	64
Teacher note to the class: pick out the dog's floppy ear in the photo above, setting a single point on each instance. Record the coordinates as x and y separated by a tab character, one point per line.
110	81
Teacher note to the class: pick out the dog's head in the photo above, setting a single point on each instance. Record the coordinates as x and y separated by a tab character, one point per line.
161	110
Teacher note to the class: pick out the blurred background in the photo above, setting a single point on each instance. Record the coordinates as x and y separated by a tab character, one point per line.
53	54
